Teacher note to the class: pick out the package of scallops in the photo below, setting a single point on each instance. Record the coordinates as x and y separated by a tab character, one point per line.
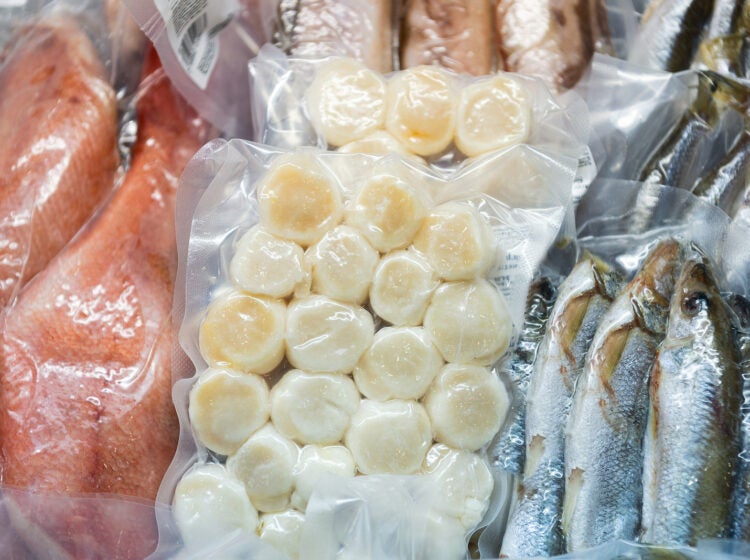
346	315
425	112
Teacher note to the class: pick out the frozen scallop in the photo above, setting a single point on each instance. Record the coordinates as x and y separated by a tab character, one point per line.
327	336
316	461
226	407
379	142
493	114
402	287
342	264
244	333
313	407
264	264
283	531
400	364
467	405
469	322
457	242
298	199
211	504
265	465
346	101
446	538
389	437
421	109
465	483
388	211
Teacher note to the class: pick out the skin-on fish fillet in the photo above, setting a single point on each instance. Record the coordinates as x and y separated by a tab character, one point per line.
58	122
85	378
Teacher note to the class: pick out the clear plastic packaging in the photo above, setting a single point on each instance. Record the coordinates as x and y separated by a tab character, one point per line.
507	223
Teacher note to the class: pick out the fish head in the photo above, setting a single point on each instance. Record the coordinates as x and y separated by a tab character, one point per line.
697	303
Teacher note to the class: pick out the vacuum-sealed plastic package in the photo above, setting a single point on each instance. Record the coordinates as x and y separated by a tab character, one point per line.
346	315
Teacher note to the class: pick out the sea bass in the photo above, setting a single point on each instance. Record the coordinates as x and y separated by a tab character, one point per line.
456	34
604	437
507	450
692	443
85	370
584	297
58	122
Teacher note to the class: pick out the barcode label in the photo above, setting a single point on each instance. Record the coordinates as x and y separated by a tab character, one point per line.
585	175
192	28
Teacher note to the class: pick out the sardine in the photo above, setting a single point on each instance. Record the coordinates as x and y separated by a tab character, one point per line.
725	47
551	39
604	437
728	180
691	443
58	122
86	362
507	449
741	501
456	34
319	28
669	34
584	297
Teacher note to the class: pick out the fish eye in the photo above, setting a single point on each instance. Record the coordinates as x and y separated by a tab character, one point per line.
694	302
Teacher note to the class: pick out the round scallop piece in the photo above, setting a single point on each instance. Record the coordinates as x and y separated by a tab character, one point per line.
457	242
226	407
327	336
469	322
210	504
401	289
389	437
264	264
467	405
283	531
421	109
298	199
400	364
346	101
265	465
493	114
342	264
465	483
314	462
313	407
244	333
388	211
445	538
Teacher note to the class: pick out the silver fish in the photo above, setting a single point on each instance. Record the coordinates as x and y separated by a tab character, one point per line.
584	297
507	449
691	442
604	437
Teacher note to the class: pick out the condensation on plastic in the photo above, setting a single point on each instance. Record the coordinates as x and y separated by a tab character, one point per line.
281	114
224	100
522	192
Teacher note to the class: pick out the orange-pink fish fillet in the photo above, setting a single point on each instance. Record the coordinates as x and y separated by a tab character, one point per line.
85	378
58	122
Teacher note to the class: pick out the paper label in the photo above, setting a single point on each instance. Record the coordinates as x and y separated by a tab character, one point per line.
192	29
585	175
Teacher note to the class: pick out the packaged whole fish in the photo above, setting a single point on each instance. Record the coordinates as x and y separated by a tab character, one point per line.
604	437
553	40
584	297
85	370
356	28
726	183
456	34
58	121
507	451
724	47
669	33
691	443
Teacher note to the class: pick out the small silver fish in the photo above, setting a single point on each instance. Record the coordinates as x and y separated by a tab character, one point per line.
692	444
604	437
584	297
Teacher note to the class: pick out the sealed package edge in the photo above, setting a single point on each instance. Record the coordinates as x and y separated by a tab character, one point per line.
346	315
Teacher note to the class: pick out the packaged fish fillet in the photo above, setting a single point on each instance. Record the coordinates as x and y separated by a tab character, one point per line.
422	112
347	315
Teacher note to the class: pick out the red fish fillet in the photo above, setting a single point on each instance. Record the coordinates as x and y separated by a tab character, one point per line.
58	122
455	34
85	378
